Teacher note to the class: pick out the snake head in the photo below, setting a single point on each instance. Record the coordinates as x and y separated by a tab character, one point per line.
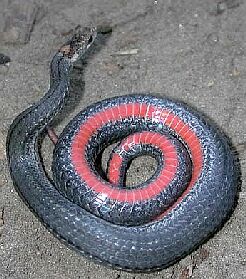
79	43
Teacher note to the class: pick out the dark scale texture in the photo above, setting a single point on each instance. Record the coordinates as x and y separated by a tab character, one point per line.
112	210
135	152
191	220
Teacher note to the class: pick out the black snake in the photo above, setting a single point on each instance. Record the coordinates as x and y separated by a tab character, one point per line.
147	227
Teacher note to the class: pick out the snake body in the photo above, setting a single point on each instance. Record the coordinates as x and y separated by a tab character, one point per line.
150	226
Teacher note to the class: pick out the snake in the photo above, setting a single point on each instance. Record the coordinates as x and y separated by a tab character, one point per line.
145	227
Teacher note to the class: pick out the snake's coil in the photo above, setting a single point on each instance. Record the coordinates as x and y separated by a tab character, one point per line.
143	228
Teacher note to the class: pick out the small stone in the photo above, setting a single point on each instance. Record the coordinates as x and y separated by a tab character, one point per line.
227	4
4	59
210	83
212	38
235	73
221	7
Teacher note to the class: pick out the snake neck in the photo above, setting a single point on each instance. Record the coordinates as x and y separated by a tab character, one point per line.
30	123
24	131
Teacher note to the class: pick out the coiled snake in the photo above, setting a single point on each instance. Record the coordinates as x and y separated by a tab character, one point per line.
147	227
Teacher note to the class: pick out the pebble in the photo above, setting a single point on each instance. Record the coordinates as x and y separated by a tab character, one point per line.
221	7
227	4
4	59
213	38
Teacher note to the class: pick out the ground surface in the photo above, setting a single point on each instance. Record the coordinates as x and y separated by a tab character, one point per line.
194	51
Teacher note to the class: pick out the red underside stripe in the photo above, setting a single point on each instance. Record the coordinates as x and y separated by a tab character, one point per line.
149	112
165	146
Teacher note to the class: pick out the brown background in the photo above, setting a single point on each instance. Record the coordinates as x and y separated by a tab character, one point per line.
191	50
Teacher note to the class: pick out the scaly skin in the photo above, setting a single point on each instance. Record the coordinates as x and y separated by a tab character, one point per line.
198	213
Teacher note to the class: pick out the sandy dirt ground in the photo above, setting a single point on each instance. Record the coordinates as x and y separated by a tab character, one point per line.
192	50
